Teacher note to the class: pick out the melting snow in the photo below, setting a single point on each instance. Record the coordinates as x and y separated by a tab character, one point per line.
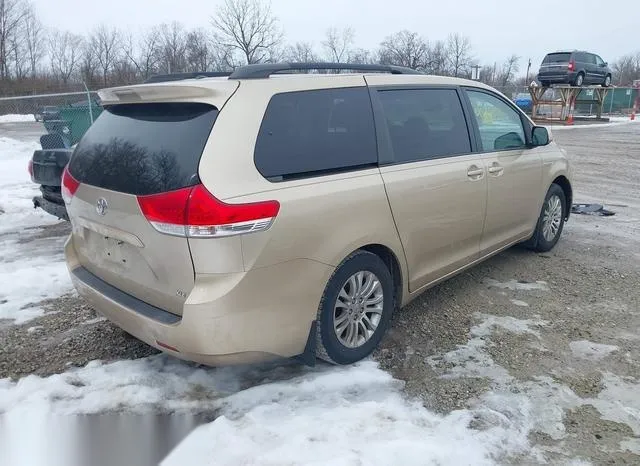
330	415
13	118
517	285
589	350
31	271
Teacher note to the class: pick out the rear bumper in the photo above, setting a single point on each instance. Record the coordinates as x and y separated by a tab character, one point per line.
53	208
248	317
557	77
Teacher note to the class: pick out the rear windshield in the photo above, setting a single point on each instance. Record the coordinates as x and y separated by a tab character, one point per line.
144	148
557	58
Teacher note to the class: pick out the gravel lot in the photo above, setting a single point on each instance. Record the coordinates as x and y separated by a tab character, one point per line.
555	333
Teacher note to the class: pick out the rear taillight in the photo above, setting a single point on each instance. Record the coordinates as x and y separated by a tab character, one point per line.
30	168
572	66
69	186
194	212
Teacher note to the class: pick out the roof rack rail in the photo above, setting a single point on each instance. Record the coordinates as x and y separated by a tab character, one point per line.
159	78
264	70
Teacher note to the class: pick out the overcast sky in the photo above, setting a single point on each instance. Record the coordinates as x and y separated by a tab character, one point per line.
497	28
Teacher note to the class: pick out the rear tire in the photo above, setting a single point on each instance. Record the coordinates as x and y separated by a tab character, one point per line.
579	81
355	310
551	221
544	84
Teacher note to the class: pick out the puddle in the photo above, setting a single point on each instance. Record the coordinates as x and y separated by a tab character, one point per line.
93	439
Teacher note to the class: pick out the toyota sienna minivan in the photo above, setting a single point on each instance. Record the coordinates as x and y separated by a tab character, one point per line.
273	213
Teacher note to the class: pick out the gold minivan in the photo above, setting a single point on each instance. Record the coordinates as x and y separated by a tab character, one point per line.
273	213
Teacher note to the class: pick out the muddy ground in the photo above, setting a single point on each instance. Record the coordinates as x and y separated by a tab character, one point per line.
556	333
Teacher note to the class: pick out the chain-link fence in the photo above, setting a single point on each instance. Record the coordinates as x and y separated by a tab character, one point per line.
66	117
618	101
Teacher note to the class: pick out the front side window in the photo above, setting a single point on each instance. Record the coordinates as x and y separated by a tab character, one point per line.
311	133
425	123
599	60
499	124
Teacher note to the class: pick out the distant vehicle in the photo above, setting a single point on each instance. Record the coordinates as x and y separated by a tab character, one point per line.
48	112
45	168
576	68
523	101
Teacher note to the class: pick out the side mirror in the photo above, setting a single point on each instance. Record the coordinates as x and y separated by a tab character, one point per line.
540	136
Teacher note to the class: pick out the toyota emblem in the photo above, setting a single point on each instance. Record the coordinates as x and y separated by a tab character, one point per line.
101	206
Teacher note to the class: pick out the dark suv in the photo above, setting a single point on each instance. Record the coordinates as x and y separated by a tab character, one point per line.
576	68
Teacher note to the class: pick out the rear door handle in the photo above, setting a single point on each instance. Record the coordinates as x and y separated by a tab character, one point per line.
474	172
495	169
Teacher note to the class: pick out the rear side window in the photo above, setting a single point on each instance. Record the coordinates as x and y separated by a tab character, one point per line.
144	148
425	123
557	58
316	132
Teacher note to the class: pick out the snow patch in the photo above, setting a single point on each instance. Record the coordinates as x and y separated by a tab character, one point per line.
29	274
273	422
633	445
34	329
588	350
138	385
17	189
508	323
538	404
16	118
352	415
472	358
619	401
30	271
516	285
517	302
613	121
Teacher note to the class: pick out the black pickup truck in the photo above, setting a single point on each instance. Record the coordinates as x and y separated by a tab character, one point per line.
46	167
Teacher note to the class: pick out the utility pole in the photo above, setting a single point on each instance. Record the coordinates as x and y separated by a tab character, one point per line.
475	72
526	80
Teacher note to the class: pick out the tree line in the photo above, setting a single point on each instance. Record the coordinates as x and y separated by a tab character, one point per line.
35	58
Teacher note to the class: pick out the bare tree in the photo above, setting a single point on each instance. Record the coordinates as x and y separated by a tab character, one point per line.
248	27
105	43
172	48
17	53
89	65
199	51
144	53
626	69
509	68
489	74
459	54
437	62
405	48
33	37
300	52
338	44
65	52
11	15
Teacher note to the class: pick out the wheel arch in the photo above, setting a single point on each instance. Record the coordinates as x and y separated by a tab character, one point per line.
565	184
393	264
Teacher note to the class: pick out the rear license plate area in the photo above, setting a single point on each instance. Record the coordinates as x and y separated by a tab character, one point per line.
114	251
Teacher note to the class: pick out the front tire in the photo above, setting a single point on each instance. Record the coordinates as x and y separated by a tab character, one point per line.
607	81
355	310
551	221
